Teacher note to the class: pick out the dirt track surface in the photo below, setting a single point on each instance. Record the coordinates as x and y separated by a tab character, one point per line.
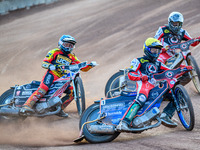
108	31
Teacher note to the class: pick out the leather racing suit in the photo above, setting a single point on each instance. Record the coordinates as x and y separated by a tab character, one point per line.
54	57
168	38
141	67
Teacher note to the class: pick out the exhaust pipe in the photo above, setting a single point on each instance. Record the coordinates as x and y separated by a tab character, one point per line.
9	112
138	130
102	129
110	129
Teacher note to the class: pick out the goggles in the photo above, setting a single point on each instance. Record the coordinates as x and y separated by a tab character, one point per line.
68	45
176	24
155	50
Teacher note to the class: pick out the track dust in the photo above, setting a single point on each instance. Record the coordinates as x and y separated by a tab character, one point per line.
49	131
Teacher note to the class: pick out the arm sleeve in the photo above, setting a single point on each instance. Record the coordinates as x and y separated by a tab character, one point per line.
75	60
135	64
135	74
48	59
188	37
159	34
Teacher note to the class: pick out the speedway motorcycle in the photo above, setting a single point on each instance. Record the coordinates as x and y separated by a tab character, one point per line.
99	121
182	55
12	100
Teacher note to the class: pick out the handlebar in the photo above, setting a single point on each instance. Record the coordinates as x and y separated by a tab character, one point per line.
93	63
73	68
77	67
184	45
174	73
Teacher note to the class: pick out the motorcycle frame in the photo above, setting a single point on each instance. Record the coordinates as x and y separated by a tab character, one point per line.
168	87
183	54
123	82
56	91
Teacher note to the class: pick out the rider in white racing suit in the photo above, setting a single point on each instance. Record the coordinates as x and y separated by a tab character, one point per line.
169	34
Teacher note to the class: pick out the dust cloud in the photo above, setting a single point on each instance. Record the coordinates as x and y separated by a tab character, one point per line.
49	131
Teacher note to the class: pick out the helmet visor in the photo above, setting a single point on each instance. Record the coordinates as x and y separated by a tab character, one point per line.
176	24
68	45
155	51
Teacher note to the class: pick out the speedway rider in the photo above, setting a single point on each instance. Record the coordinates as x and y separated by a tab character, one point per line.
141	69
169	34
55	57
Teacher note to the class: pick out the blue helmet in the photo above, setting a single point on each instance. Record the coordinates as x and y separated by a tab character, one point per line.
66	43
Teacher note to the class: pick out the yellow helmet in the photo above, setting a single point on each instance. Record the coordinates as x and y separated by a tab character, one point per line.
151	43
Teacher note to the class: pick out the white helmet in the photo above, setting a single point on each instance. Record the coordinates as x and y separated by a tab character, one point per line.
175	22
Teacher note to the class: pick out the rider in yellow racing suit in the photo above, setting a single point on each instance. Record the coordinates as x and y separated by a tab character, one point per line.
54	58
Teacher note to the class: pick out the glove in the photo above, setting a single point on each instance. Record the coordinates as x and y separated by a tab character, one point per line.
198	38
93	63
52	67
196	42
144	78
189	67
163	50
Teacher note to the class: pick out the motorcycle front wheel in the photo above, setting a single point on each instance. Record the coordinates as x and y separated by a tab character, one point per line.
80	93
114	83
194	73
91	114
186	112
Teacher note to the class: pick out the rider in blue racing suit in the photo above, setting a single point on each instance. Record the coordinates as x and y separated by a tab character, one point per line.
141	68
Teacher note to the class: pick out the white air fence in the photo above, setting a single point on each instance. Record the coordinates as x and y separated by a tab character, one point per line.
10	5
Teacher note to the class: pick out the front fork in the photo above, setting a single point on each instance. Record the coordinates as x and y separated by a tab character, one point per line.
185	60
175	101
180	59
74	88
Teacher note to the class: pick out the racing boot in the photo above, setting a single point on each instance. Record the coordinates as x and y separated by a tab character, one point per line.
124	124
62	114
68	98
27	107
166	121
66	101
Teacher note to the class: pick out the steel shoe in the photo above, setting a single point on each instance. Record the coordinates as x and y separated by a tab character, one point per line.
166	121
26	109
62	114
123	126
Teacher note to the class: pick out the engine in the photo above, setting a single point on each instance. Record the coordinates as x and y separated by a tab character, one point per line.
146	119
45	106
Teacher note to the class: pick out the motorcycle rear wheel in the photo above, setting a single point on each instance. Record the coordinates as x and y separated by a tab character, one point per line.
113	82
90	114
194	73
6	98
80	101
186	113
